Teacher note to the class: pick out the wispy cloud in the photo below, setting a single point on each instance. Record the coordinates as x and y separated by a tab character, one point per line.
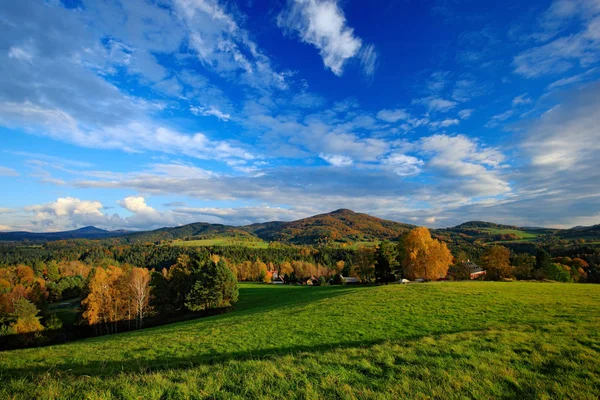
322	23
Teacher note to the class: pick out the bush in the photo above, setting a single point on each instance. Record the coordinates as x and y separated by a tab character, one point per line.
54	323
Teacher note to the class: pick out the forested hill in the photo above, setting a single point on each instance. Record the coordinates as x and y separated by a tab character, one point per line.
482	224
198	230
88	232
339	225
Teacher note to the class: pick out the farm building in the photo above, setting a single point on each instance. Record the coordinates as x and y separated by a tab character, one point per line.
349	280
475	270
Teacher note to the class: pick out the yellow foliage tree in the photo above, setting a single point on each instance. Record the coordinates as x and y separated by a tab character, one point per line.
425	257
139	288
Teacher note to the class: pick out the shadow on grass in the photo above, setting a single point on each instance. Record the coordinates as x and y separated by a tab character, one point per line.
98	368
256	299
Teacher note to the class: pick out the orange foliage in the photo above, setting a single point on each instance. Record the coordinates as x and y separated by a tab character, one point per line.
425	258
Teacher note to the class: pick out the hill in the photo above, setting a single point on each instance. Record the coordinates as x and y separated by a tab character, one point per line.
482	225
337	226
198	230
439	340
585	232
88	232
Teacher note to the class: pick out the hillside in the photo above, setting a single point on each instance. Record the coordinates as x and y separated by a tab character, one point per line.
88	232
482	225
585	232
198	230
340	225
386	342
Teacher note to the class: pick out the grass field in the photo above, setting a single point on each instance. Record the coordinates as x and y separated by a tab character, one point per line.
222	241
522	235
438	340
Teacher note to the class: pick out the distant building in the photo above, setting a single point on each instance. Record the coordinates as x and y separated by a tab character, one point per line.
310	281
475	270
349	280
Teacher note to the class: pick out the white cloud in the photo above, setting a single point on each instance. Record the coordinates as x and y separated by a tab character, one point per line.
337	160
566	137
137	205
132	137
393	115
434	103
4	171
66	212
403	164
499	118
565	52
210	111
476	169
20	53
368	59
220	43
572	79
322	23
521	100
465	114
446	123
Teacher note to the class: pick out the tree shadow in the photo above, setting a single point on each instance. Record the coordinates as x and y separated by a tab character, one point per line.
288	296
101	369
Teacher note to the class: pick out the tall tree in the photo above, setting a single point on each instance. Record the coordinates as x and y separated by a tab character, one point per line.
139	287
496	261
386	262
365	263
424	257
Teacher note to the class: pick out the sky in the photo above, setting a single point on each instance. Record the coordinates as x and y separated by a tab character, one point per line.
139	114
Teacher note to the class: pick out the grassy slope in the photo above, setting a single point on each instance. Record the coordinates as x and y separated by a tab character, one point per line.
518	233
445	340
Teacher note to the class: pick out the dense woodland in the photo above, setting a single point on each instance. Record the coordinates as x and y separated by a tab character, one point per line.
119	283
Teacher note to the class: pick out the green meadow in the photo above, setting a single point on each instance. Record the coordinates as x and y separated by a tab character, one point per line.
438	340
522	235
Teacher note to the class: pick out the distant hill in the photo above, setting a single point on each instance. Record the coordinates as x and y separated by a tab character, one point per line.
88	232
581	232
197	230
482	224
339	225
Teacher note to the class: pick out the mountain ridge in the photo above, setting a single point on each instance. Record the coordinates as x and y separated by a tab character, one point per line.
341	225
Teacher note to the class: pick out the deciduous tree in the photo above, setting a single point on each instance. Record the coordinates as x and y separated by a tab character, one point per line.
424	257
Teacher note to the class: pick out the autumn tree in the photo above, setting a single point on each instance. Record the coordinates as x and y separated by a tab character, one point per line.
424	257
364	264
139	288
285	268
105	303
496	261
26	317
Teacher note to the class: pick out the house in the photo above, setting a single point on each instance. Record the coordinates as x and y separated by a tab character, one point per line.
475	270
277	280
349	280
310	281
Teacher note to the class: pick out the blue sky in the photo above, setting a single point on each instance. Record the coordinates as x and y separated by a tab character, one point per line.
140	114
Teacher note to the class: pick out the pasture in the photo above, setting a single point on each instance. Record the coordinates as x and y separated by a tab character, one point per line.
437	340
